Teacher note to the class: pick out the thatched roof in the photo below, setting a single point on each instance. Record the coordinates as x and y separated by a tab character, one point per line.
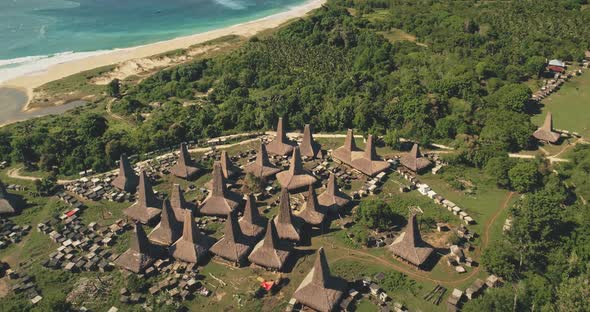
227	167
127	180
414	160
262	167
545	132
168	230
233	246
280	145
366	162
269	252
192	246
185	167
147	207
313	213
179	204
220	200
320	290
332	197
409	244
284	219
6	207
296	177
140	255
252	223
309	147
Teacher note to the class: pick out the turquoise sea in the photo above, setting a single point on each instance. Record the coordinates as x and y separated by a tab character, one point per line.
30	29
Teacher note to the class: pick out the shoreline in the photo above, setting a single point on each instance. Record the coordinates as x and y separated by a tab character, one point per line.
28	82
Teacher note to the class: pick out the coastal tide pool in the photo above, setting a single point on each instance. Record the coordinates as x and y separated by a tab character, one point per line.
34	29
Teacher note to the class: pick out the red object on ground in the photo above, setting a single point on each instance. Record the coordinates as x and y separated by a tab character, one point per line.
71	213
267	285
556	69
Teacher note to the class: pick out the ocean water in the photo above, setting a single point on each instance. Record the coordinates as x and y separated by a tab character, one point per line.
35	30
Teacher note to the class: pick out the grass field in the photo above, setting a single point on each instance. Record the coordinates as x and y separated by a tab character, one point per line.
570	106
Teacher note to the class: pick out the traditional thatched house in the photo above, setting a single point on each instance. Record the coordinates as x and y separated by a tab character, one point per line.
179	204
227	167
284	220
185	167
313	213
220	201
414	160
269	252
366	162
320	290
127	180
141	253
332	198
168	230
280	145
296	177
233	246
147	207
252	223
409	245
262	167
192	246
6	206
309	147
545	133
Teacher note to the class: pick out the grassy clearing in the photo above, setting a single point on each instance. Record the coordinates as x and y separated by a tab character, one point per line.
570	106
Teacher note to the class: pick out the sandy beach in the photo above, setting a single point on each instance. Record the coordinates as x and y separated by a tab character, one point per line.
31	81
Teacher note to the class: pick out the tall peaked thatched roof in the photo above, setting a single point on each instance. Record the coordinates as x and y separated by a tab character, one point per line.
313	213
147	207
269	252
192	246
127	180
545	132
344	153
233	246
179	204
262	167
227	167
320	290
185	167
220	200
252	223
280	145
140	255
414	160
332	197
296	177
168	230
309	147
6	206
284	220
409	244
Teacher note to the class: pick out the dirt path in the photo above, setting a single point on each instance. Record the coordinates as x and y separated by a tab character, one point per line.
15	174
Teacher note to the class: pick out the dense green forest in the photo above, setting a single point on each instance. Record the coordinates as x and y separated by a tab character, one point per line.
336	70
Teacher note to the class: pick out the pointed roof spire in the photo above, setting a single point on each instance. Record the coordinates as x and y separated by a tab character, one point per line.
349	143
192	246
139	241
311	213
268	253
127	179
218	186
280	145
169	229
271	238
546	132
233	245
147	206
227	166
284	221
321	270
140	254
178	203
409	244
220	200
251	223
185	167
309	147
344	152
262	166
414	160
296	177
370	152
332	198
